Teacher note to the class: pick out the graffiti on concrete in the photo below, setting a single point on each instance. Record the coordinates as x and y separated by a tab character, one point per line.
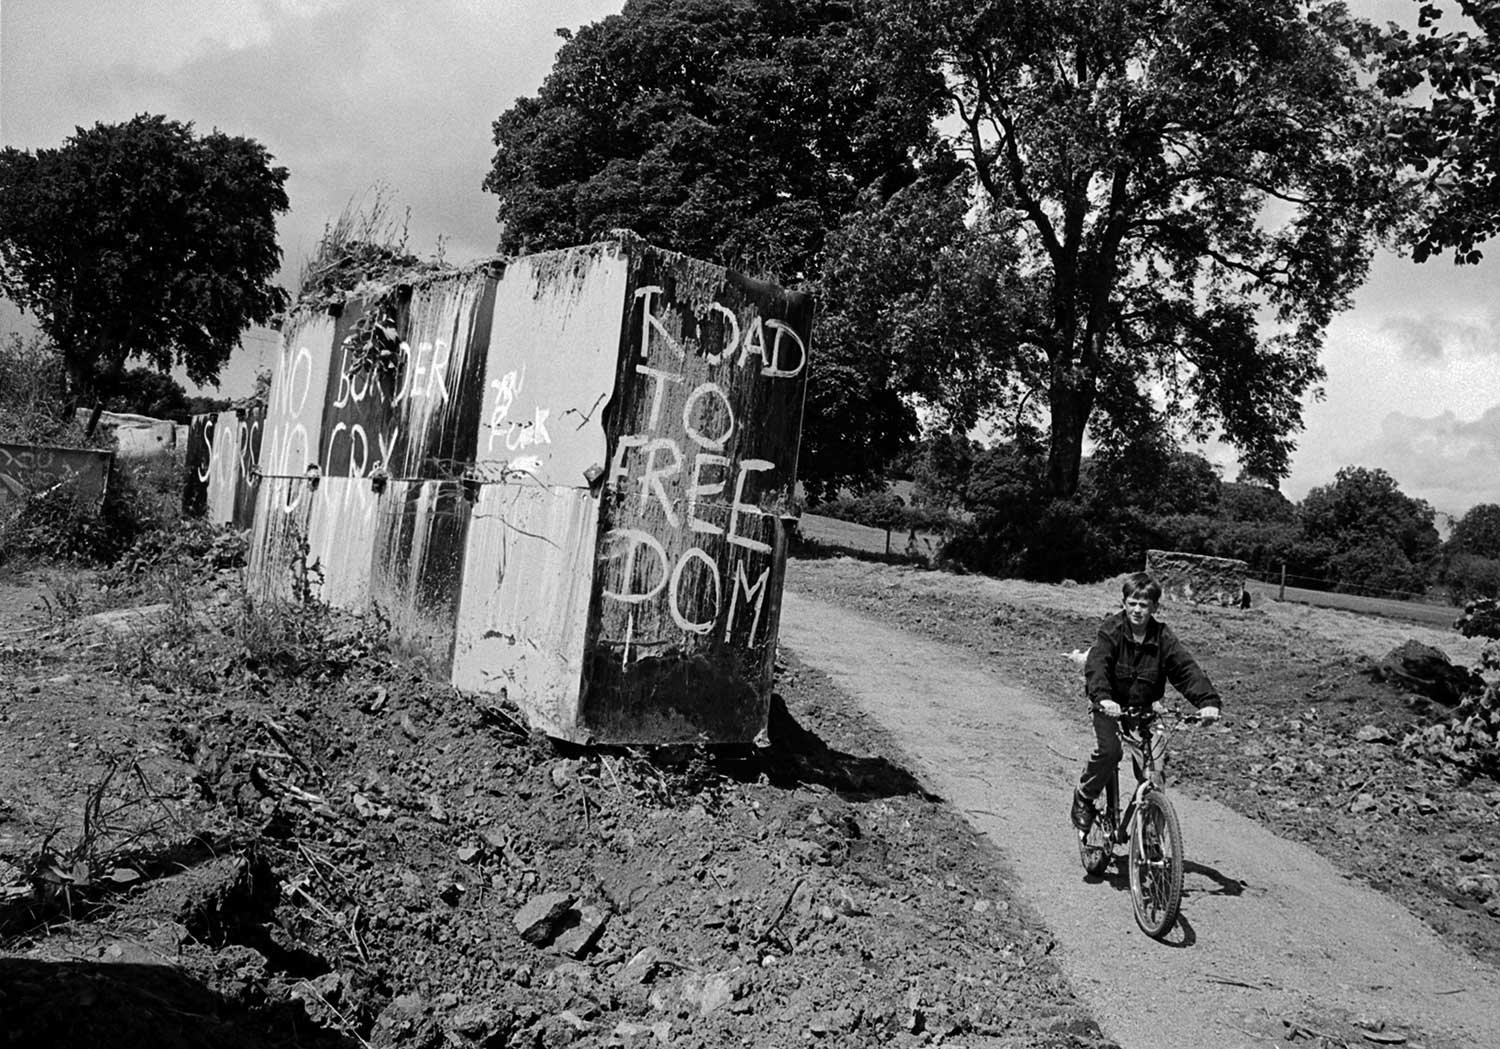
222	466
569	483
28	470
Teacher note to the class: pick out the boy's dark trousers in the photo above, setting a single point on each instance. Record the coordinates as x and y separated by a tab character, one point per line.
1107	753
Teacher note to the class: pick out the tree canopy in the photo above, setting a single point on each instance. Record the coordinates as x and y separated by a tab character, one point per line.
1149	207
1478	532
736	131
1447	126
1380	537
1176	176
144	391
142	240
914	313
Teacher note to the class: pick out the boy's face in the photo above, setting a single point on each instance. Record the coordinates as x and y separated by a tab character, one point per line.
1139	609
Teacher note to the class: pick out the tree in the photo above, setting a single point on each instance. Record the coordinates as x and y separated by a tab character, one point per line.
1448	125
1477	532
914	312
1254	503
141	240
943	463
737	131
1380	537
1172	174
142	391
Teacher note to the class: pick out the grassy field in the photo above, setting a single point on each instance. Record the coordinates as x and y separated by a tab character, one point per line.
860	539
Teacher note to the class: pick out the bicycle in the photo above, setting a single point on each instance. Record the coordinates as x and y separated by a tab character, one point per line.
1148	826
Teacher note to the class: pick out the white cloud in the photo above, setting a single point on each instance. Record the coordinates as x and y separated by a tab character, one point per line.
343	94
1444	459
1429	337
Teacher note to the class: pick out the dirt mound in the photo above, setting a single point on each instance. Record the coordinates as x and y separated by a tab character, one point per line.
378	859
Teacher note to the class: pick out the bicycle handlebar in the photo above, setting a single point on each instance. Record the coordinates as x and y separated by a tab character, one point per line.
1154	713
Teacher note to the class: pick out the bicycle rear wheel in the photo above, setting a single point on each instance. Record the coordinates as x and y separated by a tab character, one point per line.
1156	865
1096	848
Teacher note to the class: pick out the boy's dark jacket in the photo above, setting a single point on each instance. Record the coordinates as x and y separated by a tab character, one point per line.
1136	675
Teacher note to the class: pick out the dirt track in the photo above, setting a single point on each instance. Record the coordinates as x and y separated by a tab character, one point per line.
1274	940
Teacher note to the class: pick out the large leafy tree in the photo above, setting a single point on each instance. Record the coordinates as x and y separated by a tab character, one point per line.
1192	186
144	391
1478	532
914	325
1447	76
737	131
1381	538
142	240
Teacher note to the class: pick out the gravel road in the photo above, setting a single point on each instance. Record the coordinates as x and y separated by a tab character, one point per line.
1274	944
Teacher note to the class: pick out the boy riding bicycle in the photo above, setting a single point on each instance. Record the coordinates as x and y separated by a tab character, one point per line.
1127	671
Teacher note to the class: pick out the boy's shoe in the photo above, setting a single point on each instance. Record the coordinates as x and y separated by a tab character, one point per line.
1083	813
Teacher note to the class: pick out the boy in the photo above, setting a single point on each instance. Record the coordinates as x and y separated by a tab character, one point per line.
1127	671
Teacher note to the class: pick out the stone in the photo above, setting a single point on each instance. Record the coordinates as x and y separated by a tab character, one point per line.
1198	578
541	918
642	968
579	931
405	1022
1363	803
710	992
1372	734
478	1024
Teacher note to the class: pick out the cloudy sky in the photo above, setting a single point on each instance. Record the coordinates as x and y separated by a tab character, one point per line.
350	93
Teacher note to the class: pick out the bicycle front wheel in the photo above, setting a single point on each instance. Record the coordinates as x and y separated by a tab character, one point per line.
1156	865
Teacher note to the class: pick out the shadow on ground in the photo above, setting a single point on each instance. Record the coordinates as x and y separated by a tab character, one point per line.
82	1005
795	757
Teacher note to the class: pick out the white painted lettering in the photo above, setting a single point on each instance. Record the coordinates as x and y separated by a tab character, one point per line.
698	488
756	593
773	368
739	506
659	381
731	338
438	371
505	389
754	343
618	471
388	450
651	480
689	408
675	591
636	539
651	324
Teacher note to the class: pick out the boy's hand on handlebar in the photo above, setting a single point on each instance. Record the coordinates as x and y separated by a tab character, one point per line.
1109	708
1208	714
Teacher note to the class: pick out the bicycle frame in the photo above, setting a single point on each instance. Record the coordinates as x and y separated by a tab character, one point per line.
1143	738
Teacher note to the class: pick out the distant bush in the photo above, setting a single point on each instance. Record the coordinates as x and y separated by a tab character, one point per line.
1058	540
1469	576
34	405
64	525
883	510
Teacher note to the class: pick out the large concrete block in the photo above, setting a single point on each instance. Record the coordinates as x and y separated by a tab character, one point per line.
569	482
1198	578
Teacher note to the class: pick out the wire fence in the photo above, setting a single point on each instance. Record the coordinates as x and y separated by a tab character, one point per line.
1340	587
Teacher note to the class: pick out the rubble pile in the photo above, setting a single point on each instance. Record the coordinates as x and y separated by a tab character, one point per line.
378	859
1470	740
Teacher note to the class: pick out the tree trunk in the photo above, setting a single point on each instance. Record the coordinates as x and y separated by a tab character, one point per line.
1072	398
88	431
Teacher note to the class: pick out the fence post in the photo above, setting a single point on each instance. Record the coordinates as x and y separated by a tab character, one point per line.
1282	596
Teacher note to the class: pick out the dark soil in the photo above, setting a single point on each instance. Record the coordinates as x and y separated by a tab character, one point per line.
210	840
